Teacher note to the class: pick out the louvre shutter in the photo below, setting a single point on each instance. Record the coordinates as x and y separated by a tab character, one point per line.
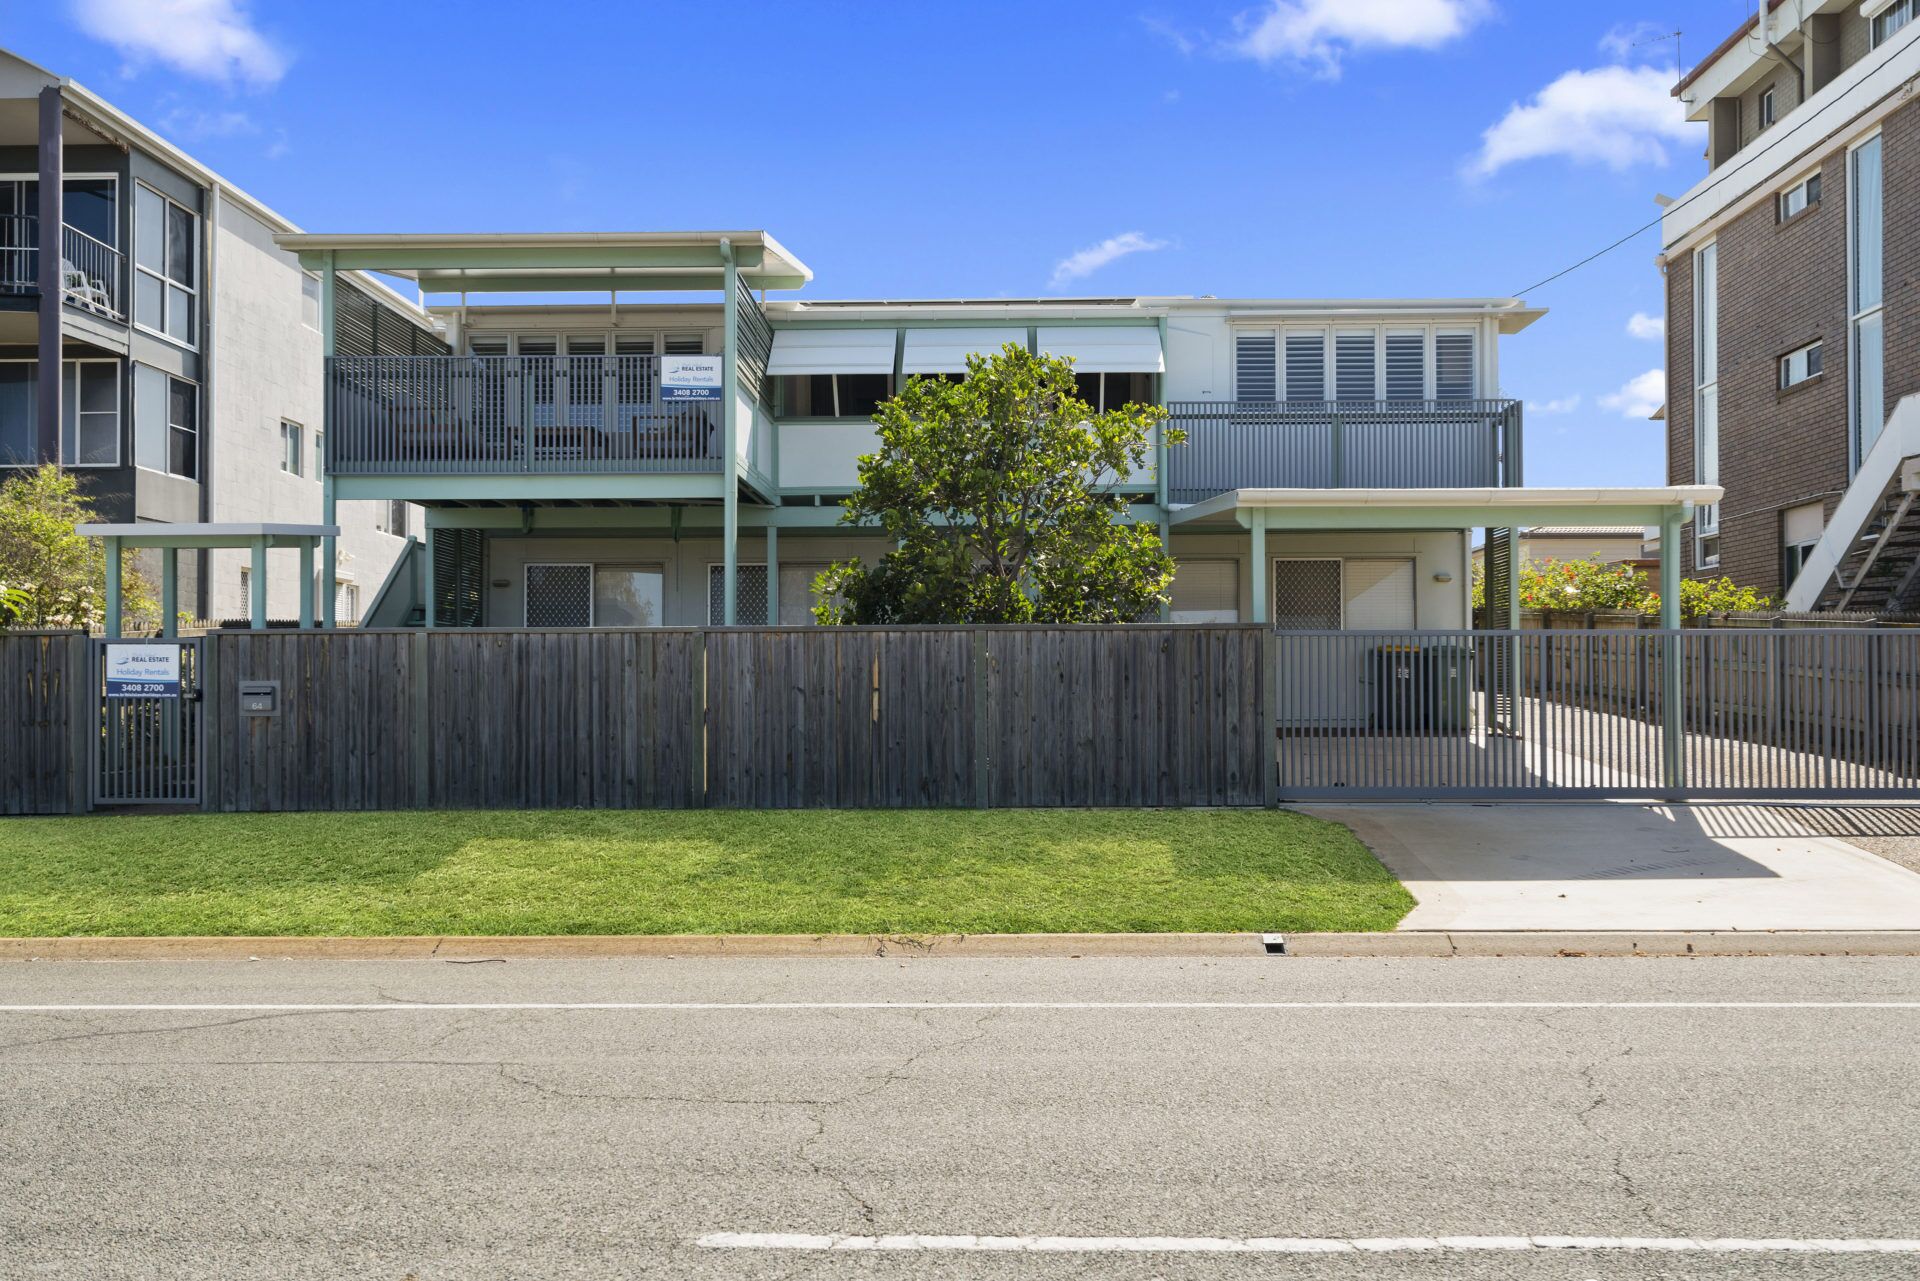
1453	367
1254	373
1307	366
1406	366
352	321
1354	373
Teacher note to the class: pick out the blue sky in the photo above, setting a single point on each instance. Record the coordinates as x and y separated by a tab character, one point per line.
1285	148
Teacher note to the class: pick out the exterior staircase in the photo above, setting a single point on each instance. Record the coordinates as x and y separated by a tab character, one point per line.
1868	559
1881	571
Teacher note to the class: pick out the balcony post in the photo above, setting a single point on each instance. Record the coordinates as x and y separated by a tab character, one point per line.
52	213
1160	465
329	554
730	465
1257	537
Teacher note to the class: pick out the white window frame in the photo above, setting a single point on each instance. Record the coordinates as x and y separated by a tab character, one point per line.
347	592
292	447
1767	109
166	282
1857	315
1273	576
1782	213
198	429
120	411
1803	356
1905	10
1329	335
1706	387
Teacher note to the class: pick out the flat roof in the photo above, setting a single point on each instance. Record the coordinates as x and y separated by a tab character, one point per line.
206	533
556	261
1463	507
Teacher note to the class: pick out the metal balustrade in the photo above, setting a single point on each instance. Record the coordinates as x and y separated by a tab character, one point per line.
470	415
91	273
1387	444
19	253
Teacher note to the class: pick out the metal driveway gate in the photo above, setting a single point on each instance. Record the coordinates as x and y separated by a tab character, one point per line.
148	750
1693	714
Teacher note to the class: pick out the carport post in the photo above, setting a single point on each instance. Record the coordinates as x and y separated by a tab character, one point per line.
1258	538
1672	726
113	586
773	573
169	592
257	587
306	582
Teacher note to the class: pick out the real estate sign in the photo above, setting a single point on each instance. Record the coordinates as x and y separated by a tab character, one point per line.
690	377
143	671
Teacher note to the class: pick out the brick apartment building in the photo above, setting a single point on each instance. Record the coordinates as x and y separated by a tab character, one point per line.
1793	306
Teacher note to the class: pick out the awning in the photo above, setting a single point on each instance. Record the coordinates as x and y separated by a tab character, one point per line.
1467	508
945	351
1106	349
832	351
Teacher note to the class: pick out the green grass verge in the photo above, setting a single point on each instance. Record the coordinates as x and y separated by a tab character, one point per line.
713	872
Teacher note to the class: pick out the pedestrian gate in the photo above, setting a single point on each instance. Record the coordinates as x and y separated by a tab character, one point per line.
149	747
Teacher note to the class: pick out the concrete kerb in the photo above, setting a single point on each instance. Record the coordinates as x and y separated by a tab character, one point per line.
1409	943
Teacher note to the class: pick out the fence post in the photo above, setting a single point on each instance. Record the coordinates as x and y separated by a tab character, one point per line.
1270	688
1672	654
83	712
206	676
982	738
417	739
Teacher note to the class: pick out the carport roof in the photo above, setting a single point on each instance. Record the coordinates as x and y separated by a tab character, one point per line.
1446	508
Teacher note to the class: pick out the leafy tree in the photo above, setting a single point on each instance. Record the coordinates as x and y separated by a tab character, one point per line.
52	576
1002	494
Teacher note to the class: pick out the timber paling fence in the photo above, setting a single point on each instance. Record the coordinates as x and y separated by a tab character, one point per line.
980	716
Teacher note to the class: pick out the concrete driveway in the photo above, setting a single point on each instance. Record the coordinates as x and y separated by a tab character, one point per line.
1619	866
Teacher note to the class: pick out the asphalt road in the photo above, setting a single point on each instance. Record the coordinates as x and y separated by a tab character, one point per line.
564	1142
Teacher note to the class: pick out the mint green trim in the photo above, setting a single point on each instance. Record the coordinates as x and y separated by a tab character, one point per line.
329	336
773	575
306	584
729	389
170	590
1260	568
1363	516
257	588
437	282
160	538
526	487
115	595
429	599
535	257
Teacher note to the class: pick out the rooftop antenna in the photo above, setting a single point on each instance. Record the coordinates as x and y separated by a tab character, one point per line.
1662	39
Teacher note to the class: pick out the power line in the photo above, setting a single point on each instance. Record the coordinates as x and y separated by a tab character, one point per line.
1521	293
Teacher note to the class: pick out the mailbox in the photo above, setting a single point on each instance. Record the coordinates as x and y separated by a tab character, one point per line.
259	698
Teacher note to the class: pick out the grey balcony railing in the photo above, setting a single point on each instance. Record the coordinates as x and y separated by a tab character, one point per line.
19	259
473	415
1387	444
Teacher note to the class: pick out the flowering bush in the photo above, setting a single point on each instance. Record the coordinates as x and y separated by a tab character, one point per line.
1581	586
1711	596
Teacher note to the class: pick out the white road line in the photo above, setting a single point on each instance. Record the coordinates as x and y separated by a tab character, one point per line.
1301	1245
456	1007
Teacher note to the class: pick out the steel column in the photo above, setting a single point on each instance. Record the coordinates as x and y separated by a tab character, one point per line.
730	465
169	592
1261	573
257	606
52	212
1672	721
114	598
773	576
329	554
306	582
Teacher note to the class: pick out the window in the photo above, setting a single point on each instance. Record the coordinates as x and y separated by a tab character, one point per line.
1306	366
1800	197
166	254
1353	365
395	521
1108	390
1406	365
796	595
831	395
1798	366
628	596
346	602
18	425
1306	595
1767	108
246	590
685	345
1800	530
166	422
1896	17
1206	591
90	413
1359	594
1865	295
310	307
1707	554
1255	376
1453	361
319	455
1706	385
290	447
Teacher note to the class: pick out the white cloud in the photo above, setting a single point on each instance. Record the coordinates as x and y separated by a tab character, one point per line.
1094	257
211	39
190	122
1319	33
1616	116
1649	328
1640	397
1645	40
1564	405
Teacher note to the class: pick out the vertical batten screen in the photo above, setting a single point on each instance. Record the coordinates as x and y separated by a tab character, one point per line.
1255	376
1307	366
1354	374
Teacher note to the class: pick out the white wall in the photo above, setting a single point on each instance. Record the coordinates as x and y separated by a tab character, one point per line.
1436	605
267	367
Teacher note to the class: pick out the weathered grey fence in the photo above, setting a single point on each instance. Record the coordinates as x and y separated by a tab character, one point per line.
748	718
45	705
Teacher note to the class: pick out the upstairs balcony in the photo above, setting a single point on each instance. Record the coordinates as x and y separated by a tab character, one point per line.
92	272
503	415
1345	444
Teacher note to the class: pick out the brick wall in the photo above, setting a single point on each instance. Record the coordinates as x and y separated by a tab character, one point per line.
1783	285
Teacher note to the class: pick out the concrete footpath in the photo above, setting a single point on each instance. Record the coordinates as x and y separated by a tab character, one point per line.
1618	866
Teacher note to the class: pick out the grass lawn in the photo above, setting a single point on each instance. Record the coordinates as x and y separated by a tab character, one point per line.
711	872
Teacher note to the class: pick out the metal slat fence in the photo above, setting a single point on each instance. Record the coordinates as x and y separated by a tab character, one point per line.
148	750
465	415
1571	714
